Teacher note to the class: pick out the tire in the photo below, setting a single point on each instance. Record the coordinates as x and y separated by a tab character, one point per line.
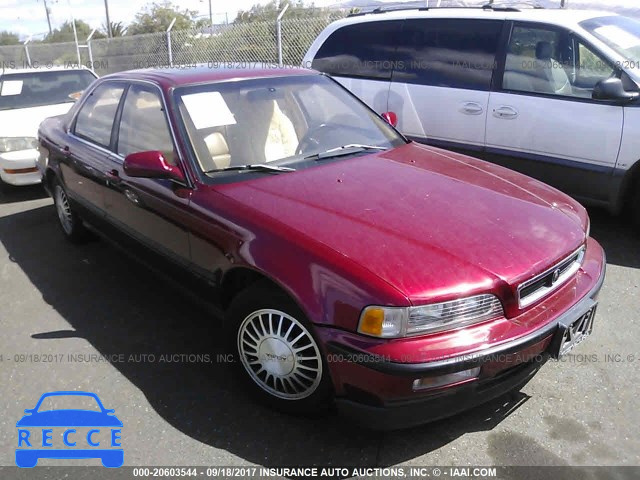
69	221
264	326
4	188
634	206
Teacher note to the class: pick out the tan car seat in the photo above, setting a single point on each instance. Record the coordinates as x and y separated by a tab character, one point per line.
282	140
218	152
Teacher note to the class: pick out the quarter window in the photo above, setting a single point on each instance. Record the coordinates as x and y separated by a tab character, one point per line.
143	126
95	118
365	50
448	53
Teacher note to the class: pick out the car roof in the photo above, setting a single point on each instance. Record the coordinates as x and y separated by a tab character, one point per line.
555	16
203	73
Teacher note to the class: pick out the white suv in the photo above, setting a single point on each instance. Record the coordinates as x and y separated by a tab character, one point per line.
549	92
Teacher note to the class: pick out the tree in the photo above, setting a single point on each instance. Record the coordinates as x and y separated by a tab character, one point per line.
157	17
298	9
9	38
65	32
118	29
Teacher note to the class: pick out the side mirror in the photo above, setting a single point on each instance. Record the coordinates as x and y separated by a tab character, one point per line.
151	164
613	89
28	410
391	118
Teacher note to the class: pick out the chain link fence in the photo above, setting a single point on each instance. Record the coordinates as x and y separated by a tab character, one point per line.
237	43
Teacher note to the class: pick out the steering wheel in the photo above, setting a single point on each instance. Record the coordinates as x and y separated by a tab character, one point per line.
311	139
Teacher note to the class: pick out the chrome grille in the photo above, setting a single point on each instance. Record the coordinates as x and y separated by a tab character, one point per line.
543	284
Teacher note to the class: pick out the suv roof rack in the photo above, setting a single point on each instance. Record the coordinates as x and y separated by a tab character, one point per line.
491	5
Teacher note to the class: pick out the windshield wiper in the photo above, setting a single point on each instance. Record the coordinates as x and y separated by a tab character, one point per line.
344	150
256	166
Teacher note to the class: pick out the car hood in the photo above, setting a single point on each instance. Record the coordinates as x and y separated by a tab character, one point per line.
429	222
24	122
69	418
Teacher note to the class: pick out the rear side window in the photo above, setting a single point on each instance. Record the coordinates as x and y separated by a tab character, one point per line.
365	50
143	126
448	53
95	118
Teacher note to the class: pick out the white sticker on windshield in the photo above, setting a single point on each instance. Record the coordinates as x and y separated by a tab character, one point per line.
11	87
618	36
208	109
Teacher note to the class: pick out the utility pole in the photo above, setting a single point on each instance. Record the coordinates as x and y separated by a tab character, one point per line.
46	9
106	10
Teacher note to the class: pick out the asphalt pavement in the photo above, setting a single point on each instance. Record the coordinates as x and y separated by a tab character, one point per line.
92	318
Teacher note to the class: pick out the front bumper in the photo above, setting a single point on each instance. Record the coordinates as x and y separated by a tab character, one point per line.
377	391
19	168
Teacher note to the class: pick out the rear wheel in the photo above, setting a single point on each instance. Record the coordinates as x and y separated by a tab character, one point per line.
70	223
635	205
278	355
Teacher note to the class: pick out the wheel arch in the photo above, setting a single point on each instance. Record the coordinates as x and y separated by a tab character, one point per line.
241	277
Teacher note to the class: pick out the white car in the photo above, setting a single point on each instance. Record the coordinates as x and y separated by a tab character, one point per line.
552	93
27	97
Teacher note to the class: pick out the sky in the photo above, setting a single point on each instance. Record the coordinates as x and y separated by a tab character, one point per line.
27	17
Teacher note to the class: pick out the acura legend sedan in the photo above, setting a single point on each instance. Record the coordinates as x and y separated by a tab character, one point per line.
403	282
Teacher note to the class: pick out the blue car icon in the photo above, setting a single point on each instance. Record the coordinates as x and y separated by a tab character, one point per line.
39	423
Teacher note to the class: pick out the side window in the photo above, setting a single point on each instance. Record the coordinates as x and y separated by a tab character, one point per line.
591	68
552	62
365	50
95	118
143	125
448	53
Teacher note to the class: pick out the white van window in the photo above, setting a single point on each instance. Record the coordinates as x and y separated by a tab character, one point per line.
448	53
621	34
364	50
552	62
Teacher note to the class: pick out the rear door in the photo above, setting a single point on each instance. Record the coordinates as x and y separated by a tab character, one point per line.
542	119
361	57
86	153
152	210
440	87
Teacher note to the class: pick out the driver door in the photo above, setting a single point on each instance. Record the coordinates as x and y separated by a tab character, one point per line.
154	211
543	121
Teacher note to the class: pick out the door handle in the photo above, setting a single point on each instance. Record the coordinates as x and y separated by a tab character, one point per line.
66	151
506	112
472	108
113	177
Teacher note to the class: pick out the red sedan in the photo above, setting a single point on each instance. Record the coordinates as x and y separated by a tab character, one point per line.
403	282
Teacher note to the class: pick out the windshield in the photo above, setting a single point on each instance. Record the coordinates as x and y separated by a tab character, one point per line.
37	88
280	119
69	402
622	34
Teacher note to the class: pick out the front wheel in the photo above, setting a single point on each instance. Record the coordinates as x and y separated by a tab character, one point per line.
70	223
278	354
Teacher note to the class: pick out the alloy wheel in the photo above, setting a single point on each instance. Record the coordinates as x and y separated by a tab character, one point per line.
64	210
279	354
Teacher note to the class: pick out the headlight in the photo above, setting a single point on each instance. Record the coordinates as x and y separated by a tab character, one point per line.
394	322
12	144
